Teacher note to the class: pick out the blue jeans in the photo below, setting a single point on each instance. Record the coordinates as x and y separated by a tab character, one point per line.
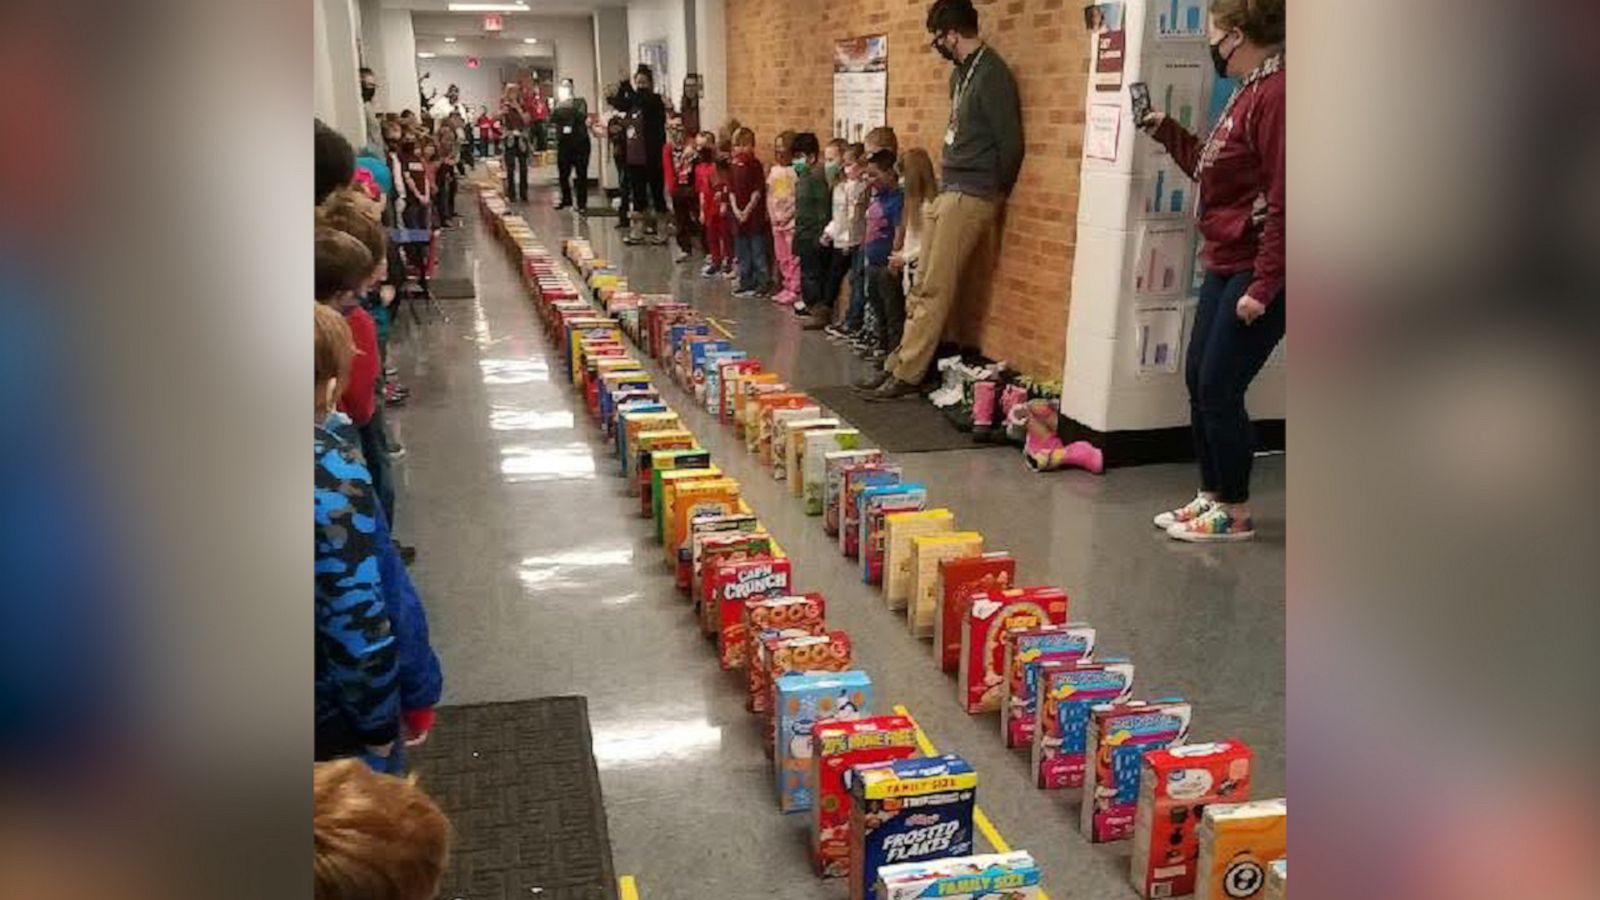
751	252
858	289
1223	358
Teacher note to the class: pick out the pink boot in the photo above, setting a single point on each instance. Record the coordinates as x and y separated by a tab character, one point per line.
983	409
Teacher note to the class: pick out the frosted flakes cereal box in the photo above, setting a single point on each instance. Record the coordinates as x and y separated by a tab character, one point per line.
910	810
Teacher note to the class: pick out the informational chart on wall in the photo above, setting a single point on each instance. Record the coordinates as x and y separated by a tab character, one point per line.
1161	268
1102	130
1176	86
1180	20
1160	338
860	86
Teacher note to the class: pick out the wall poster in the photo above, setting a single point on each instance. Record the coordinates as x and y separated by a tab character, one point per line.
860	86
1110	41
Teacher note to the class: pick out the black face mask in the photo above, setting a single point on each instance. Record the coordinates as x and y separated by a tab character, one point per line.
944	51
1220	61
368	91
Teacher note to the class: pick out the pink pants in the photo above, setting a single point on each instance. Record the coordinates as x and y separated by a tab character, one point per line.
788	263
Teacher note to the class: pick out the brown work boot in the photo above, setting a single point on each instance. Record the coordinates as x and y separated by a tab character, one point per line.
893	389
872	382
816	320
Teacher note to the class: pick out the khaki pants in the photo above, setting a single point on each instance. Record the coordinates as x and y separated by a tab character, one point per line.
960	225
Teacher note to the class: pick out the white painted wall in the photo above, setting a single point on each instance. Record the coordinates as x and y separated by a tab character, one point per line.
321	68
661	20
397	75
711	50
337	92
612	63
479	87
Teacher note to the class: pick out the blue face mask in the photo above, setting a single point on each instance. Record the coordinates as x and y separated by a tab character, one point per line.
833	169
801	166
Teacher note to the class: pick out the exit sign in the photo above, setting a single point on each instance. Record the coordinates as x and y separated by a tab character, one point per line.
493	22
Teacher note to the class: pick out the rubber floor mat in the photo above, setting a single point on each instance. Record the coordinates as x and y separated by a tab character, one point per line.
519	783
909	425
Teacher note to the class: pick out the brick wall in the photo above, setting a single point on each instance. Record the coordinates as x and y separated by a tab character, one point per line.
780	75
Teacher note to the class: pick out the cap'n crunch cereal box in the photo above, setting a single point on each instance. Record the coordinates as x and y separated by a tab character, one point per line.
732	584
838	746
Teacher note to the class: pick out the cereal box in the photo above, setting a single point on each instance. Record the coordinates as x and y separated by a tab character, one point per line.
664	486
729	585
708	378
1066	691
626	400
910	810
898	530
1277	880
1024	651
769	646
959	581
729	375
858	479
1238	843
996	876
836	748
758	421
678	450
803	699
747	406
830	651
833	467
718	496
774	441
1175	787
794	451
875	504
701	528
634	424
1119	736
615	383
763	616
927	552
814	460
982	652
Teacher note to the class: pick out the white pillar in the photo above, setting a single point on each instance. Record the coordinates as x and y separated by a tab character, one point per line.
397	76
711	60
611	66
338	89
321	68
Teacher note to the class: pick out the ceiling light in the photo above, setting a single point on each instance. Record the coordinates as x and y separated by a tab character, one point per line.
449	40
488	7
530	40
426	55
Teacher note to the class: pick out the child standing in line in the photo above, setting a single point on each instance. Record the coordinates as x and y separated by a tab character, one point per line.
722	214
780	209
747	186
861	331
678	161
843	235
711	224
921	187
811	212
882	238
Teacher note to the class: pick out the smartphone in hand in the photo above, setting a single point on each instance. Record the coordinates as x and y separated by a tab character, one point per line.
1140	94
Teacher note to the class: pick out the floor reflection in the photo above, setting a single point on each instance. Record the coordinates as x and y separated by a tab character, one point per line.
513	418
574	568
513	371
521	463
653	741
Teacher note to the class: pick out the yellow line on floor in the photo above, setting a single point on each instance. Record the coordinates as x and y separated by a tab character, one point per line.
630	891
979	819
718	327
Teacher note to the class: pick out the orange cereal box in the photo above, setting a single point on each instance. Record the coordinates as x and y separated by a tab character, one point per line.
1238	843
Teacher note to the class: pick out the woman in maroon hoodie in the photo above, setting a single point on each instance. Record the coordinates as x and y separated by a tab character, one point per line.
1240	168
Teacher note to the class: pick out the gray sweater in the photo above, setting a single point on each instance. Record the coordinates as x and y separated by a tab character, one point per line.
987	153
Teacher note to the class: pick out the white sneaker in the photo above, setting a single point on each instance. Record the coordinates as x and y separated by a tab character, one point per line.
1215	525
679	255
1199	506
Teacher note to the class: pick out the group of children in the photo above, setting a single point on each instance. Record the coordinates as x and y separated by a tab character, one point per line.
819	220
427	164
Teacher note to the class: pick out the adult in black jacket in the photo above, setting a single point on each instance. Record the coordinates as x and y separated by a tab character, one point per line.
570	122
644	140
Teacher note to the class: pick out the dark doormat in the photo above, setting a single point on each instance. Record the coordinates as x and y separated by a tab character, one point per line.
911	425
452	288
599	212
519	783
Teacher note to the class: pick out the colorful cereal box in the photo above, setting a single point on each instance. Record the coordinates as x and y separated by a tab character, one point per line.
701	529
763	400
770	646
664	486
729	585
636	423
747	406
818	446
1120	735
982	651
804	698
1238	843
996	876
1175	788
1066	692
774	440
763	616
1024	651
614	383
898	530
910	810
833	467
1277	880
793	439
707	377
836	748
678	450
875	504
627	400
927	552
729	375
858	479
830	651
959	582
717	496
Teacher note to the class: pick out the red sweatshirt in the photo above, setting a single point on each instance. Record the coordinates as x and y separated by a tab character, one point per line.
1241	175
360	398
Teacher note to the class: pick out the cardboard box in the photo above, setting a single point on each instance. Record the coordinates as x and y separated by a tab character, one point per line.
1066	692
1175	787
898	530
875	504
990	616
664	486
910	810
830	651
1119	736
730	585
997	876
812	461
1277	880
1025	651
836	748
857	479
928	551
1238	844
716	496
678	449
773	445
804	698
960	580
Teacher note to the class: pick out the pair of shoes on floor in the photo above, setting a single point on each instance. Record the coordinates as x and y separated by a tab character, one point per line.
1205	521
746	293
783	298
836	333
871	382
892	389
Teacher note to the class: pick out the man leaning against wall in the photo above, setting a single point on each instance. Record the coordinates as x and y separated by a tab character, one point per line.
981	158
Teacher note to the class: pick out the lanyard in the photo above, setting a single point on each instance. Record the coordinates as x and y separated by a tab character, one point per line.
961	89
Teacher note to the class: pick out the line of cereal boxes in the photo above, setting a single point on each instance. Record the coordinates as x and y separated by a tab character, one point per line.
882	816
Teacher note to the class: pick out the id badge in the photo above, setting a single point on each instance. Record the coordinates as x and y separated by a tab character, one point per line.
566	129
632	132
950	136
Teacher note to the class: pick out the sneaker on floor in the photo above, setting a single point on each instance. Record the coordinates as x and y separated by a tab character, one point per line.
1199	506
679	255
835	333
396	450
745	294
394	398
390	373
731	275
709	270
892	389
872	382
1215	525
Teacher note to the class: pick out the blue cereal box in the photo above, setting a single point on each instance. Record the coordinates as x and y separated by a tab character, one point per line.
1063	695
1120	734
802	699
908	811
993	876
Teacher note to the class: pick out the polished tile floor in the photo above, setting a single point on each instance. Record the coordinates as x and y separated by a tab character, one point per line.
540	580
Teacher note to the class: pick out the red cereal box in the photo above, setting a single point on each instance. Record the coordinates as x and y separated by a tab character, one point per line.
758	667
855	480
1175	787
803	613
837	747
719	549
959	581
982	652
732	585
828	652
